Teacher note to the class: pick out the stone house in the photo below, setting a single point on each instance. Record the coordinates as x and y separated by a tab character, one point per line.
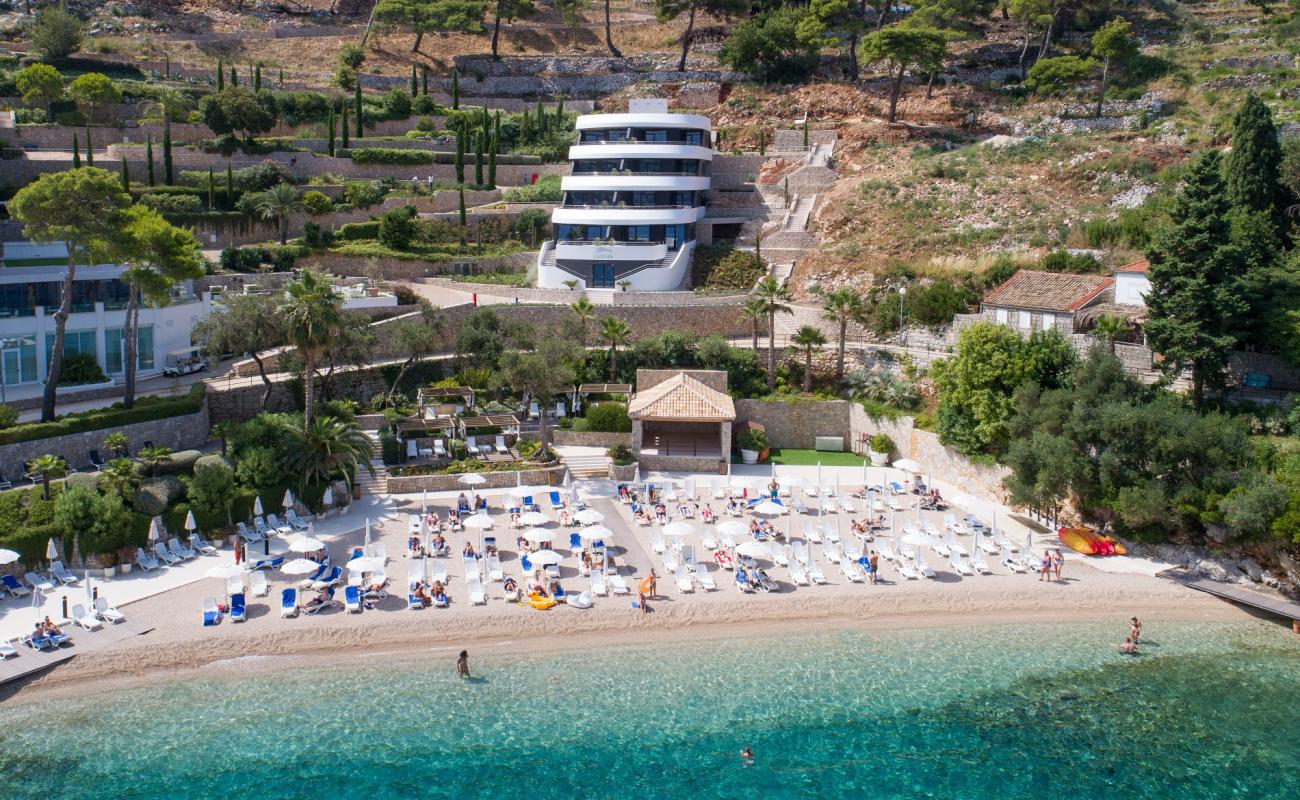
1034	300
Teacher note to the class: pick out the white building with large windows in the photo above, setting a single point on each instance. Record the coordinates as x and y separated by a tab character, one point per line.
631	202
31	278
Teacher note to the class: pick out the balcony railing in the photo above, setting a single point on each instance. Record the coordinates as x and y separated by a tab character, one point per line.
626	206
634	173
607	242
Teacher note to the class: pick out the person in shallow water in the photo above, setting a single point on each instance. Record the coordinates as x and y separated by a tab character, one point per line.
1128	648
746	753
462	664
1135	630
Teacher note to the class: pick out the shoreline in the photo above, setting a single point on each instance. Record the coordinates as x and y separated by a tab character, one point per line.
156	657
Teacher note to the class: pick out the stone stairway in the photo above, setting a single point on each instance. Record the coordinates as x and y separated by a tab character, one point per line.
797	219
781	271
371	486
585	463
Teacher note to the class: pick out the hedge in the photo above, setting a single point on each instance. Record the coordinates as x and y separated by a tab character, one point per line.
145	410
354	231
400	156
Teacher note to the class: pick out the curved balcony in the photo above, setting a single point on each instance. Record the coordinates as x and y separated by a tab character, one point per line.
596	122
621	182
597	150
627	216
640	252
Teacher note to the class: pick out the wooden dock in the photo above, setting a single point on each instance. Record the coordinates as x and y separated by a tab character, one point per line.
30	662
1237	594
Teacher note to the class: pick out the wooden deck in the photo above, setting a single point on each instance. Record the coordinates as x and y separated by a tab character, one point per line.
1237	594
31	662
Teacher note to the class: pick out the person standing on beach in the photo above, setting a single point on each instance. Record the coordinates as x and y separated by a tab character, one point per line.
643	603
462	664
874	565
1045	567
1058	558
1135	629
654	584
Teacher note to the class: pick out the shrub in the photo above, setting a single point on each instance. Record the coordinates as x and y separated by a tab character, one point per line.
181	463
79	368
214	460
881	443
390	449
145	409
393	155
362	194
752	439
528	448
423	105
317	202
82	480
358	231
397	228
172	203
55	33
313	235
737	270
608	418
1065	261
156	494
621	455
8	416
397	103
545	190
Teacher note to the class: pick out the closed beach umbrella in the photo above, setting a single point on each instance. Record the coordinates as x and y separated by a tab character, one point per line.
534	518
733	527
538	535
589	516
907	465
51	550
754	549
8	556
678	529
287	502
1029	542
257	505
154	533
224	571
480	521
190	523
636	475
367	540
769	508
306	544
424	501
327	499
300	566
472	479
544	558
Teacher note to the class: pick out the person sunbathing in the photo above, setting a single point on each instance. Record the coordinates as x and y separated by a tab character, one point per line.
468	552
707	515
439	595
421	594
509	585
412	544
514	518
326	596
565	521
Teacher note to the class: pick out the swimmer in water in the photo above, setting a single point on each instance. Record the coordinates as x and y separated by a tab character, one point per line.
1128	648
746	753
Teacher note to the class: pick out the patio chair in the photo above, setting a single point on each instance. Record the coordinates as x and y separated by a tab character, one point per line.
439	448
94	460
501	448
471	446
5	483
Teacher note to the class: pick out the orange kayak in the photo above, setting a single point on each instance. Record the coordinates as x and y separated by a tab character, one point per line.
1078	539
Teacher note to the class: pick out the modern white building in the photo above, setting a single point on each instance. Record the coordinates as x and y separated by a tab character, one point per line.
631	202
31	277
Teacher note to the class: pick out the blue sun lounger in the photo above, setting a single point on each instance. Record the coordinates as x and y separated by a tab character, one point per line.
39	642
289	602
352	598
15	586
238	611
555	501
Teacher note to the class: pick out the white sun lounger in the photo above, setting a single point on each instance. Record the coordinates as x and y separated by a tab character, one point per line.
846	505
810	490
978	563
684	582
832	552
800	551
257	584
671	563
886	550
106	612
717	491
851	571
7	650
61	572
987	544
598	585
1002	541
617	584
962	567
494	571
798	505
797	573
906	569
922	567
1010	561
657	540
1029	560
705	577
728	541
44	584
812	533
474	588
161	552
832	534
85	619
706	539
815	572
778	555
940	547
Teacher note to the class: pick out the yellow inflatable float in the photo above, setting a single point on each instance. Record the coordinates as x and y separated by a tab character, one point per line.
540	601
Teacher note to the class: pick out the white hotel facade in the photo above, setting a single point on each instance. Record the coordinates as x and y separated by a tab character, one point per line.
631	202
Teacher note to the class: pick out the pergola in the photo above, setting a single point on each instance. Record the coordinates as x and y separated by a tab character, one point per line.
420	427
506	422
680	420
461	396
578	394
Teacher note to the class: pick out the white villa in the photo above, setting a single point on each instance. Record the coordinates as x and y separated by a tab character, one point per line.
632	200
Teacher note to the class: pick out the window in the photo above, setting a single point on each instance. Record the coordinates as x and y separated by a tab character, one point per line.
115	348
1001	315
644	199
602	276
649	166
656	136
673	235
1049	321
73	342
693	137
638	233
1026	320
18	359
686	199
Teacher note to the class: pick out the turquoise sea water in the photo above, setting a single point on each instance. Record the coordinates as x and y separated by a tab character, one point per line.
1208	711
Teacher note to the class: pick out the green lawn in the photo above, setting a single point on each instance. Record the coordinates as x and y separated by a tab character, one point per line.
811	457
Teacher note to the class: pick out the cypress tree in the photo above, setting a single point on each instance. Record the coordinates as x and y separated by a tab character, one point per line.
526	128
415	86
424	79
460	156
559	110
126	176
221	75
461	189
230	187
234	76
1197	303
344	127
541	119
492	163
76	151
257	77
168	177
496	126
90	149
281	77
805	129
455	88
331	134
148	160
357	114
212	190
1254	163
478	158
762	142
167	64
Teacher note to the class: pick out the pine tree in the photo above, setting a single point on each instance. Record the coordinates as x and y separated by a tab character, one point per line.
460	157
358	115
1253	165
126	176
478	158
221	75
331	133
455	88
492	163
90	149
415	86
344	128
76	152
168	176
1197	303
230	188
257	77
424	79
212	190
148	160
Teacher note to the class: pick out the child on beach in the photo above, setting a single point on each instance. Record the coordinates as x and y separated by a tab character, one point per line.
462	664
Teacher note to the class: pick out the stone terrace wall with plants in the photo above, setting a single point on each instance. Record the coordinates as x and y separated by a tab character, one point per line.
797	424
542	476
590	438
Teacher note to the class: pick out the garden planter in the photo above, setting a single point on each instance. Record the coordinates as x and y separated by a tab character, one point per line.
125	569
749	456
878	459
109	572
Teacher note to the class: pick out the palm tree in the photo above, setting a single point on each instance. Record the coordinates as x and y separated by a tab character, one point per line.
1110	327
153	457
223	430
753	312
586	313
843	305
312	314
48	467
808	338
119	476
327	447
116	443
615	331
773	296
278	203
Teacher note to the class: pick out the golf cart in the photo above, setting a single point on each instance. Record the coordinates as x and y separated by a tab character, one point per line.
184	362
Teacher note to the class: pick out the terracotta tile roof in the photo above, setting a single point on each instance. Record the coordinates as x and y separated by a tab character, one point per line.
1136	266
1048	291
682	398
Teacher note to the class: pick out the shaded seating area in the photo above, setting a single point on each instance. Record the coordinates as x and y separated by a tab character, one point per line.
426	440
483	442
434	403
680	421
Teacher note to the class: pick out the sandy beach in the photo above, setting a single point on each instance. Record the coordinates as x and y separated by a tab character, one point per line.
175	641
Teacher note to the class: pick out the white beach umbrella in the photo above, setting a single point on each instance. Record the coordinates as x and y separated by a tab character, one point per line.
327	499
1029	542
769	508
733	527
225	571
754	549
472	479
679	529
589	516
8	556
257	505
538	535
544	558
819	473
191	524
481	521
907	465
918	538
300	566
287	501
51	550
595	533
534	518
568	480
365	564
636	475
306	544
90	591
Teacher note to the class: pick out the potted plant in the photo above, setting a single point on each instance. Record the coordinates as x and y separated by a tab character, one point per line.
881	446
124	557
751	444
624	284
108	563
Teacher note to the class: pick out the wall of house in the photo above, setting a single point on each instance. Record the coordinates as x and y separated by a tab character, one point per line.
1131	288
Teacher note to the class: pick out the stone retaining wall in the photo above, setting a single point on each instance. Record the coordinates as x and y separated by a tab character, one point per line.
185	432
683	464
541	476
238	402
797	424
623	472
396	269
560	436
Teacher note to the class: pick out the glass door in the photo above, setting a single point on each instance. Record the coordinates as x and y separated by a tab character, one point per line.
12	364
602	276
